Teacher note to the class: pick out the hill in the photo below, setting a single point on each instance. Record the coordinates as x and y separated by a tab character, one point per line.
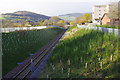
84	54
22	18
24	15
71	16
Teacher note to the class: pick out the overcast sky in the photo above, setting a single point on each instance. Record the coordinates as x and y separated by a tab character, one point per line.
50	7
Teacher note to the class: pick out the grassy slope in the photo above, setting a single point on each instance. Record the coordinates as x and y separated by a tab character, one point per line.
1	17
18	45
82	47
107	26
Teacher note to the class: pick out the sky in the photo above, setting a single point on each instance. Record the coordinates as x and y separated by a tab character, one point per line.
50	7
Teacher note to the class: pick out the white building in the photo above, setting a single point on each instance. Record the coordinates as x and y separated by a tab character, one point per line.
98	12
111	9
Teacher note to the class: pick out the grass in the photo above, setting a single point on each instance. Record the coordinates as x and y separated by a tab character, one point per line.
87	53
107	26
18	45
1	17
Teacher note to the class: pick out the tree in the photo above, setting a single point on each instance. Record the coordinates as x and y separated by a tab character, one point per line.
79	19
71	23
27	24
53	20
41	22
86	17
7	23
22	23
113	10
19	25
45	23
32	23
113	13
61	23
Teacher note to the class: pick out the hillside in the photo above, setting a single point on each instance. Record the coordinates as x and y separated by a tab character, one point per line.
24	15
84	54
17	46
22	18
71	16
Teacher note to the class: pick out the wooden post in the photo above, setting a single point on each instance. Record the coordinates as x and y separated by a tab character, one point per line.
68	75
50	64
96	50
60	61
81	59
62	70
53	67
86	65
68	70
111	57
99	58
101	64
68	61
47	76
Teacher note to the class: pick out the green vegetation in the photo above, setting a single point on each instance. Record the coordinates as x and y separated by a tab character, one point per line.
86	18
54	21
1	17
71	28
20	18
84	54
107	26
18	45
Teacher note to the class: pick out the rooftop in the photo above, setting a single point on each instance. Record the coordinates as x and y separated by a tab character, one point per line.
100	5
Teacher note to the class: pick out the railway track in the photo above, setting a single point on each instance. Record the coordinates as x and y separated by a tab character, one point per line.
23	71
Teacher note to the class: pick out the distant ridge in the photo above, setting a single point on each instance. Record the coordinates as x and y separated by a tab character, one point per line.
71	16
25	15
74	14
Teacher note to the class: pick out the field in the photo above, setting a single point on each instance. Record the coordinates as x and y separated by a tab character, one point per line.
84	54
17	46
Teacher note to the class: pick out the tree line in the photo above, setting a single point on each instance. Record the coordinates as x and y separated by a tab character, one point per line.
53	21
86	18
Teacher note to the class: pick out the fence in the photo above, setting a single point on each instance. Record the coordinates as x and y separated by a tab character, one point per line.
107	30
12	29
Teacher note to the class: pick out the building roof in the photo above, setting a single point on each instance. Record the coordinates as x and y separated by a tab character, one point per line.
100	5
117	19
104	15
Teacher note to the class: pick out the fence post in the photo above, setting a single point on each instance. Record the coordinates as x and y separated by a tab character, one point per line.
111	57
81	59
86	65
101	64
68	61
47	76
62	70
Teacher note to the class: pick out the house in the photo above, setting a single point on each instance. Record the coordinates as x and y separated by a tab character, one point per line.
105	20
107	14
97	12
